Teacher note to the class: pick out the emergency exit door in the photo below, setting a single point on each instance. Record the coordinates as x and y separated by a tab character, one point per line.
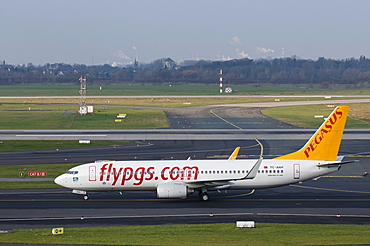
92	173
296	171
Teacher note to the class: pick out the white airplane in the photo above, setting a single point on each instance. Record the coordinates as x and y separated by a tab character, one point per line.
179	178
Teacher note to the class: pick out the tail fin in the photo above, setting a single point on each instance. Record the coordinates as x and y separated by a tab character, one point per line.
325	143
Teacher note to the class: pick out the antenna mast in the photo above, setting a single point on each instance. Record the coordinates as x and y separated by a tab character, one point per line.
220	80
83	108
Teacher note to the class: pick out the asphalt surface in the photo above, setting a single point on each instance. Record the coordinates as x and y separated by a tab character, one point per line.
183	149
327	200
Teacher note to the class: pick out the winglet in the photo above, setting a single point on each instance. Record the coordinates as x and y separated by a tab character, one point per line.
234	154
325	143
253	172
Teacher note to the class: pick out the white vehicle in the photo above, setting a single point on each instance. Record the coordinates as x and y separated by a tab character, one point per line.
179	178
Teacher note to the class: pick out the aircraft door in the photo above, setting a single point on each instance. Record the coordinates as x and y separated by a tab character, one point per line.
92	173
296	171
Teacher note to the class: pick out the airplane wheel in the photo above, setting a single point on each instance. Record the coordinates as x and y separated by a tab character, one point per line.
86	197
205	197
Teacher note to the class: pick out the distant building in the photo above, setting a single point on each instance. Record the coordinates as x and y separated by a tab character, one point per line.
169	63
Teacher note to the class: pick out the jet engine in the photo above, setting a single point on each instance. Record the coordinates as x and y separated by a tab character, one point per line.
172	190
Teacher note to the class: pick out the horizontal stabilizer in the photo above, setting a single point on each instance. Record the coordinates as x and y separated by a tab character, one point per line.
335	163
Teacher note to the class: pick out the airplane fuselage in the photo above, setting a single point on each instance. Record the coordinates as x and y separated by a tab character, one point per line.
147	175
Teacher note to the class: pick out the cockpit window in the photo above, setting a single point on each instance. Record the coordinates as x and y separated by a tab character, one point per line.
72	172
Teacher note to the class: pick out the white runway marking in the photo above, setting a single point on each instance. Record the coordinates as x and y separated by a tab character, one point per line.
61	135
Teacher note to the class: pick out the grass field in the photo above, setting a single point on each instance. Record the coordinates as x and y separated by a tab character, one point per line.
303	116
199	234
34	116
198	89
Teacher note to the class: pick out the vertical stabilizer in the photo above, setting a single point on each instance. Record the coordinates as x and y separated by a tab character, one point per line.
325	143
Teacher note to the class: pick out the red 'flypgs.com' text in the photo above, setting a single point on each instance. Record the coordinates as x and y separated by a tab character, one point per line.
122	174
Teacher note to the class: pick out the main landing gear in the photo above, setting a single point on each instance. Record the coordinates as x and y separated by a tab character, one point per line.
86	197
203	194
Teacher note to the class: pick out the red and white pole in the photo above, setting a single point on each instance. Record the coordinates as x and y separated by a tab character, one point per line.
220	80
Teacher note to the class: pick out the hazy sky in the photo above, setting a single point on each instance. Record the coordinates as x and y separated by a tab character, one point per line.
96	32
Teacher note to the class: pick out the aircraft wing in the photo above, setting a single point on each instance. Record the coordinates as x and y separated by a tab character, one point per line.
224	183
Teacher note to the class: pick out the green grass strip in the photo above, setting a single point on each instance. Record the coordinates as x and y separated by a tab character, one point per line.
26	145
199	234
21	172
52	170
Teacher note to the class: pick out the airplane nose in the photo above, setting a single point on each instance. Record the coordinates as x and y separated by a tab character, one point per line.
59	180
